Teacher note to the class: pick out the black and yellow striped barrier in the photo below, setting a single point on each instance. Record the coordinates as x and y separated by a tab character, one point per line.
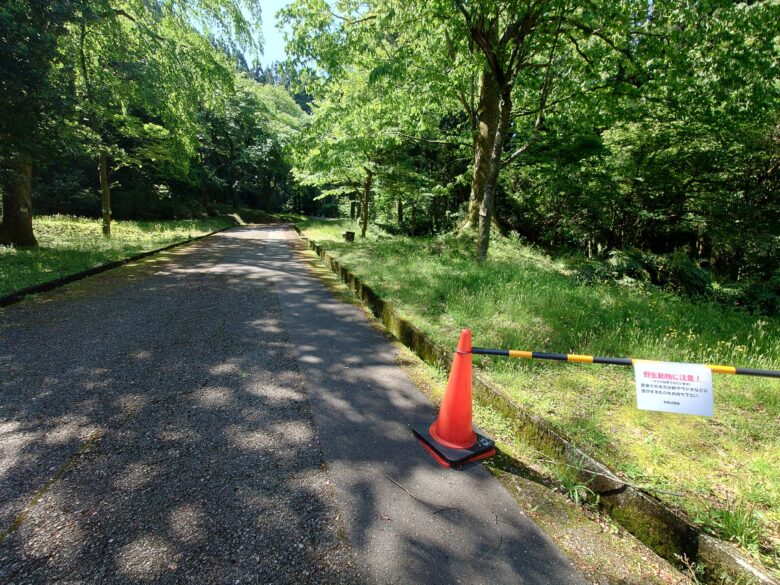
590	359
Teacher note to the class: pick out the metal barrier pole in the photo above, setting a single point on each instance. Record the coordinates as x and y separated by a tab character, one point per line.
589	359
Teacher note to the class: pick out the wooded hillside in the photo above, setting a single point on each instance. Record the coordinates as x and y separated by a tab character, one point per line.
642	137
138	110
643	133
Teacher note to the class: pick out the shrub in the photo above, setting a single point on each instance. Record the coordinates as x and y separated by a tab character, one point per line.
681	274
675	272
631	263
762	297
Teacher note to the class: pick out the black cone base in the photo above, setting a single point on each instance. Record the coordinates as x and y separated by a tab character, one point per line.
449	457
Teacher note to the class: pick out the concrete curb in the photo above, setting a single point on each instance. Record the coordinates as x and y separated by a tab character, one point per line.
641	513
19	295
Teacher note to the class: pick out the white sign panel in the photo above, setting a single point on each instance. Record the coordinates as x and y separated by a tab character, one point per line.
674	387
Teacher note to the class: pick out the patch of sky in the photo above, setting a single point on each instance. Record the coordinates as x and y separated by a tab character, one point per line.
272	40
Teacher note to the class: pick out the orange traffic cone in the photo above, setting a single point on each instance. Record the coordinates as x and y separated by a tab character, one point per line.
451	439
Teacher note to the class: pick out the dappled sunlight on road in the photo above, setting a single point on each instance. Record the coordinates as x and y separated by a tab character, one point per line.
408	519
206	468
182	442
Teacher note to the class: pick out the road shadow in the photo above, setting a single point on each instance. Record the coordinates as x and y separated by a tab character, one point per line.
436	525
166	401
201	372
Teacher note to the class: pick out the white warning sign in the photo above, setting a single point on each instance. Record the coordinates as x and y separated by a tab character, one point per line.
674	387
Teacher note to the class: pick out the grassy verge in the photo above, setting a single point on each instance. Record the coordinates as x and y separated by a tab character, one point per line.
600	549
69	244
725	470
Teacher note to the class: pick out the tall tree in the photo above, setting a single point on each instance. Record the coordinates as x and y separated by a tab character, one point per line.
515	39
140	72
672	147
374	77
29	30
513	48
341	149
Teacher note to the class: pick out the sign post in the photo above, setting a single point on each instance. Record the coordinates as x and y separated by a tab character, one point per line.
674	387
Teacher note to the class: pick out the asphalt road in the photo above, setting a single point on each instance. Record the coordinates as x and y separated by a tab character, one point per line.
214	415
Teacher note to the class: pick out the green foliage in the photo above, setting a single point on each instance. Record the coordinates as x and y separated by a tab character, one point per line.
374	72
676	148
680	273
631	129
29	31
622	266
762	297
246	143
738	523
155	86
570	478
675	272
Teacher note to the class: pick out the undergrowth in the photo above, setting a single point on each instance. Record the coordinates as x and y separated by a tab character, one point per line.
520	298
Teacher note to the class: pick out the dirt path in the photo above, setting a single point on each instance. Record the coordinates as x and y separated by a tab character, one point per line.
215	416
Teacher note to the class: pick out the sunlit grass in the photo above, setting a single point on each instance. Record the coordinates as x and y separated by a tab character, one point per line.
523	299
70	244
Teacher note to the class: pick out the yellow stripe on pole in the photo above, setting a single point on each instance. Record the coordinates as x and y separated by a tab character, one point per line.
582	359
723	369
589	359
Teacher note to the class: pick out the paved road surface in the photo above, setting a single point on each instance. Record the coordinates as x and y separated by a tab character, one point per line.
215	416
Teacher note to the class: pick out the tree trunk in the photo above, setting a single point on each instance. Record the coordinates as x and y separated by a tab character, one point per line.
487	114
17	226
106	190
400	212
366	200
488	201
234	195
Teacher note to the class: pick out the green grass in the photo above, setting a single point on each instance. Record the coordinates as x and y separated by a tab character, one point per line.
523	299
739	524
69	244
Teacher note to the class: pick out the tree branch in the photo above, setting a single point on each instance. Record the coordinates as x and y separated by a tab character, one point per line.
579	51
131	18
477	31
522	113
350	22
431	141
597	33
544	93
